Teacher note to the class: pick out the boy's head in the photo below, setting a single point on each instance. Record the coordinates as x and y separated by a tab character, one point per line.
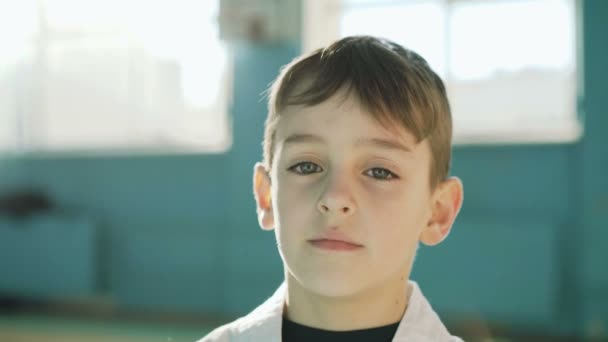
395	85
356	157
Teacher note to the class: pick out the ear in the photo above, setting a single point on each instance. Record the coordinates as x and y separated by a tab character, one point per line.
262	194
446	203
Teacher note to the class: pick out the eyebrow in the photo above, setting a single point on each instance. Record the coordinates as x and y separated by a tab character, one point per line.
373	142
303	138
383	143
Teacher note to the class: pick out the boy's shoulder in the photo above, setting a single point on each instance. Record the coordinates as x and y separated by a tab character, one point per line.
225	333
246	328
420	321
261	324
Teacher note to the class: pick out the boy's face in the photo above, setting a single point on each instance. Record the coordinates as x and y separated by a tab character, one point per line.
339	176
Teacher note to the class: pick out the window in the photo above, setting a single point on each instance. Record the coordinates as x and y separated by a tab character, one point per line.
112	75
509	65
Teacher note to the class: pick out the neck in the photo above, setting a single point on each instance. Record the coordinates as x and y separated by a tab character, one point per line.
370	308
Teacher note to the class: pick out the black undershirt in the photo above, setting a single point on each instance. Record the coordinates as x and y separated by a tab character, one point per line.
294	332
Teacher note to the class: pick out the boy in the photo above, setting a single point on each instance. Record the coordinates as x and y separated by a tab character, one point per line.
357	148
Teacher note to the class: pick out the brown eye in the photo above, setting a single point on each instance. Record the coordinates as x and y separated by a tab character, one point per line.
380	173
305	168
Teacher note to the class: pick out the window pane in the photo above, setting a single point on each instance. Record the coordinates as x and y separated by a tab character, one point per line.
18	25
510	72
418	25
488	38
126	75
509	65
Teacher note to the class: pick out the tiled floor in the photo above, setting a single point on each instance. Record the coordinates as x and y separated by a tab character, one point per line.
22	328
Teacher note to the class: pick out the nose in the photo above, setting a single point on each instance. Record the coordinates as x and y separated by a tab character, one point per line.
337	200
328	209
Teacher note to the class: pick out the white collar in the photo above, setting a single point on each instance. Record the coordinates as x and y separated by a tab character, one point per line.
419	323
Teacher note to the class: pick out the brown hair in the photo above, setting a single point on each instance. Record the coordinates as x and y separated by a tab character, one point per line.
394	84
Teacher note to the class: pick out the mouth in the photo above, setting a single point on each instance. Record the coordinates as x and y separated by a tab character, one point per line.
334	245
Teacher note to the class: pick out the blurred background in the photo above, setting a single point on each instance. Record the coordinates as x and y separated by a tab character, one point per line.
129	130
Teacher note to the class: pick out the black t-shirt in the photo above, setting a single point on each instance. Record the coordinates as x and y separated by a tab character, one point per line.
294	332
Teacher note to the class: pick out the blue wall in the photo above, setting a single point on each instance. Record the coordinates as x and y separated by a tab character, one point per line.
180	233
593	233
11	172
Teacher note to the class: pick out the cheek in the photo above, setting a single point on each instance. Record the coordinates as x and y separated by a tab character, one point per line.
396	232
294	201
389	201
400	213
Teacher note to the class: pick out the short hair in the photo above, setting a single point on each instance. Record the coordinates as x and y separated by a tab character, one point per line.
394	84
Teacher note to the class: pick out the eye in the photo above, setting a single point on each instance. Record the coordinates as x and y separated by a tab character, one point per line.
305	168
381	174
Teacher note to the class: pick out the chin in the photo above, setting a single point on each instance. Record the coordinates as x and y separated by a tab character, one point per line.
332	285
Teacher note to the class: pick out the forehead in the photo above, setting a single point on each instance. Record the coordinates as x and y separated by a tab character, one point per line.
341	113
